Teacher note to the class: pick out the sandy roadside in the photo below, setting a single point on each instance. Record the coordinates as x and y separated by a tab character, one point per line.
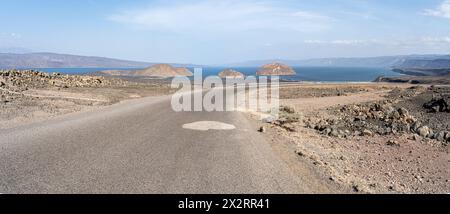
30	97
345	159
390	163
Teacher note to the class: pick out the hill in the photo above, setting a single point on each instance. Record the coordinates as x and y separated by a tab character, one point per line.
54	60
420	67
158	70
163	70
435	80
231	73
276	69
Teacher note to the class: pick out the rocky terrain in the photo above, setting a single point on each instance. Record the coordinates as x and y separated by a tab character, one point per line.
27	95
442	80
159	70
315	91
393	116
231	73
21	80
377	138
424	67
276	69
13	83
423	71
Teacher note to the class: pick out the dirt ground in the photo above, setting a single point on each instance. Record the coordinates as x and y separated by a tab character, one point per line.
395	163
352	163
40	104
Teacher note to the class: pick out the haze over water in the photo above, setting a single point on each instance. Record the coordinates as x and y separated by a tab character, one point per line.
318	74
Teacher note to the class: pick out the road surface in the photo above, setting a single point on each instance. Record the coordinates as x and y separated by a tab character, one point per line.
140	146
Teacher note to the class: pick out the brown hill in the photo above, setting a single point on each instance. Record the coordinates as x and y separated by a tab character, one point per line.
159	70
163	70
231	73
276	69
116	72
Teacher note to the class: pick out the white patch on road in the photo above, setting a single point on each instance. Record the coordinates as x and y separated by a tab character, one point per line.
208	125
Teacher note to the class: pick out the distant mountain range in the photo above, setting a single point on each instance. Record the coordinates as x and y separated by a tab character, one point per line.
422	65
382	61
53	60
419	65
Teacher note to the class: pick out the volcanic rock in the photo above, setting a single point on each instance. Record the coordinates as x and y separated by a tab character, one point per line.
230	73
276	69
159	70
162	70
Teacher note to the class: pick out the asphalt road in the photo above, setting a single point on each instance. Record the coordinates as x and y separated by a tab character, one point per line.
140	146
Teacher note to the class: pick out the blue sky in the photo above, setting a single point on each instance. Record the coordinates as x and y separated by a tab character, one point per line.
216	32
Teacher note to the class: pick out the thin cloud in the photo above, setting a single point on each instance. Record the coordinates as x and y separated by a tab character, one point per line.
222	16
340	42
436	40
361	15
418	42
442	10
10	36
311	16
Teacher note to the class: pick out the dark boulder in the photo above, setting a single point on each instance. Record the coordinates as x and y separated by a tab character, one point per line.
438	105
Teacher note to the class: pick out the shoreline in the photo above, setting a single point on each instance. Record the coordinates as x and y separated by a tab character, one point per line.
306	72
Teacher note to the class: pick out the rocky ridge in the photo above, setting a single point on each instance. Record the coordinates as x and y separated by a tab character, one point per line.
159	70
395	115
276	69
386	118
14	82
231	73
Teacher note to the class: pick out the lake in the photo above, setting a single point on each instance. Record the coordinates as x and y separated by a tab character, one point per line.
317	74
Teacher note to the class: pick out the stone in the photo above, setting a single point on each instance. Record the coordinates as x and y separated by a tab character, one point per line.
300	153
287	109
431	134
437	105
403	111
393	143
327	131
367	132
395	115
388	130
289	127
334	133
262	129
447	136
2	81
268	119
440	136
415	127
424	131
